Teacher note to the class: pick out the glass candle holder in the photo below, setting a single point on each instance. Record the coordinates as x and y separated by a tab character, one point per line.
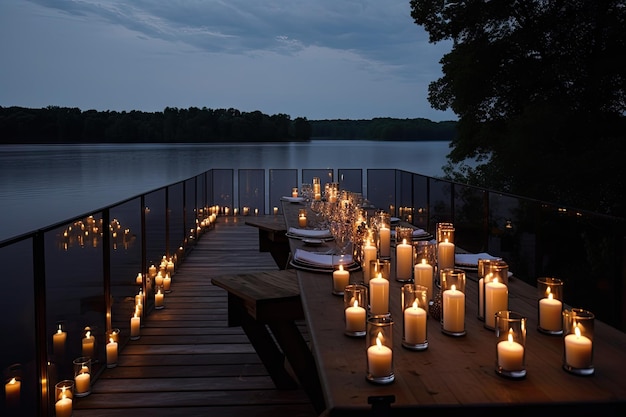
425	264
59	340
355	309
510	330
453	302
379	349
341	278
380	267
578	331
159	297
483	265
383	224
302	218
496	291
82	376
415	318
317	189
63	398
112	352
445	231
294	192
13	386
550	305
404	261
403	233
88	343
369	254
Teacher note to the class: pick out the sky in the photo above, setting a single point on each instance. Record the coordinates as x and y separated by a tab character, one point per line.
319	59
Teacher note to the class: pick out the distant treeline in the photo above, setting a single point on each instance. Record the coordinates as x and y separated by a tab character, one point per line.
54	124
384	128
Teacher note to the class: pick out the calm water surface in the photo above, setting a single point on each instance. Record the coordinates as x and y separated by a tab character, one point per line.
45	184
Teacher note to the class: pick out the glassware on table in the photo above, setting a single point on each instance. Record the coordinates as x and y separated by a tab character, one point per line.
550	305
453	302
578	334
379	350
355	309
415	317
510	330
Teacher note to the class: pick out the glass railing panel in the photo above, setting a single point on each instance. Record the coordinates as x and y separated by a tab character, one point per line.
210	198
126	263
420	203
440	199
251	191
325	175
381	188
17	307
155	237
176	218
281	182
201	194
351	180
223	187
404	195
469	215
75	291
190	214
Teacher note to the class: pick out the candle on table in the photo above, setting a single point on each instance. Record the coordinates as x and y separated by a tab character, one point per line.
111	352
302	220
82	381
445	254
453	310
379	295
369	254
355	318
294	192
275	211
510	354
578	350
423	275
414	324
384	235
496	299
379	359
63	407
341	278
12	391
58	341
152	271
404	261
88	345
550	310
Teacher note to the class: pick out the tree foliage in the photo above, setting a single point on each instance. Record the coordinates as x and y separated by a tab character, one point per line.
540	90
384	128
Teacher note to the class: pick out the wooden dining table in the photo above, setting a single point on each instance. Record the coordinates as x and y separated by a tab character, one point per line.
455	374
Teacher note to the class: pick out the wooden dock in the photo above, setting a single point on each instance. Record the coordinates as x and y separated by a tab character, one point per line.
188	362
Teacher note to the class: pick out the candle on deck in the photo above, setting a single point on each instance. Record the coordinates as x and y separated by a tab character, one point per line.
111	349
445	254
355	318
496	299
384	235
550	317
89	343
369	254
135	325
63	407
158	299
423	275
578	349
404	261
152	271
167	283
139	278
12	391
379	295
82	381
58	341
414	324
510	354
379	359
453	310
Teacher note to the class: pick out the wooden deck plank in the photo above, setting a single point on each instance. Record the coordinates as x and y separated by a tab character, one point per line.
188	361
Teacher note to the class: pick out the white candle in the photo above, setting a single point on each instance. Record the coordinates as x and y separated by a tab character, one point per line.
578	350
139	278
158	299
152	271
82	381
379	295
275	211
384	234
170	267
453	310
510	355
379	359
423	275
496	299
415	324
550	311
88	345
135	324
167	283
302	220
355	318
111	352
369	254
404	260
58	342
12	391
445	254
158	280
341	278
63	407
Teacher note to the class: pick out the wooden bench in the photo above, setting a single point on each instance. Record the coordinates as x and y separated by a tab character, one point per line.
272	238
267	306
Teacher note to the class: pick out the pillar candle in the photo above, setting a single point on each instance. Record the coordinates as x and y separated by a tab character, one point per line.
369	254
423	275
379	295
510	355
341	278
355	318
578	350
152	271
167	283
139	279
414	324
63	407
170	267
384	234
158	299
453	310
496	299
82	382
88	345
58	341
550	311
302	220
111	352
158	280
12	391
445	254
404	261
135	324
379	359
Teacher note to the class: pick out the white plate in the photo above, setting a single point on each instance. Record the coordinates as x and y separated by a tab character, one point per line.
312	242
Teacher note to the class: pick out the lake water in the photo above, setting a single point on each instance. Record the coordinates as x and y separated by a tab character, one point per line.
45	184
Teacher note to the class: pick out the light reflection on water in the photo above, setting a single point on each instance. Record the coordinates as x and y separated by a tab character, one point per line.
45	184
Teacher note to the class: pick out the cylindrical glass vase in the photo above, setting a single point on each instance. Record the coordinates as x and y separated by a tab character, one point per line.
355	310
379	349
578	333
453	302
510	330
550	305
415	317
